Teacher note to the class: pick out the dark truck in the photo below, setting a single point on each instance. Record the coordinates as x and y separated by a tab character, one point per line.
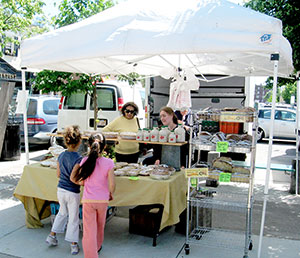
219	92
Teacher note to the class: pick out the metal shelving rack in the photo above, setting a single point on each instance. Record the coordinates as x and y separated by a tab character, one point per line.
221	198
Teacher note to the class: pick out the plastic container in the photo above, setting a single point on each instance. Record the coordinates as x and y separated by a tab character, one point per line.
230	127
172	137
154	134
163	134
146	135
139	135
180	133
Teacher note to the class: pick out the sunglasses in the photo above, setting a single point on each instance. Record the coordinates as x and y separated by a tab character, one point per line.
129	111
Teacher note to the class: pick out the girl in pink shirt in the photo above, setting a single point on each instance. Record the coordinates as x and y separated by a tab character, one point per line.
96	173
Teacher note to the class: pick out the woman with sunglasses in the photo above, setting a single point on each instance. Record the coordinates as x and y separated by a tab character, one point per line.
127	122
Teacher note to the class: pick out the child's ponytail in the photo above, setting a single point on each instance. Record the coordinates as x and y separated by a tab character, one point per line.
97	144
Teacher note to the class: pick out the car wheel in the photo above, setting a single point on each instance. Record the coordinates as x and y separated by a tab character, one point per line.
260	134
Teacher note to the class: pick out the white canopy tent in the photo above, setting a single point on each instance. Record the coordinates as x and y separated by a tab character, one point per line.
210	36
207	36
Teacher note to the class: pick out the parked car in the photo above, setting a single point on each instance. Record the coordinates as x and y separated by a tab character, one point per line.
41	119
284	123
78	108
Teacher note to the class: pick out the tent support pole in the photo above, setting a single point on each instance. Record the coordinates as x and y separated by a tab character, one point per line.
275	58
23	70
297	133
147	106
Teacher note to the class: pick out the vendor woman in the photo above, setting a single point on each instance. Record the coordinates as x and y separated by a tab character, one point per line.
127	122
168	118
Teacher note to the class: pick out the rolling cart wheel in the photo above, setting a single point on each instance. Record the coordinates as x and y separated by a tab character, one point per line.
187	249
250	245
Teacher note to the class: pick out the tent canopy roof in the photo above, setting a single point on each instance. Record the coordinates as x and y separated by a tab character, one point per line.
209	36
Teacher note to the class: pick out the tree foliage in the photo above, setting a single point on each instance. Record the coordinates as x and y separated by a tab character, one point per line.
19	18
66	83
71	11
288	12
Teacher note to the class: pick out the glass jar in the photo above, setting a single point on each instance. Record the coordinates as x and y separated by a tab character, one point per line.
139	135
163	134
146	135
172	137
154	134
180	133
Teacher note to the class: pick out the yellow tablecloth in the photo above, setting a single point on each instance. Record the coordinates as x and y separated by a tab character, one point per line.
38	186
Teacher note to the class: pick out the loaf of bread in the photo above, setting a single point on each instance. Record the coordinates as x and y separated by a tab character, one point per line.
241	170
234	137
222	164
246	137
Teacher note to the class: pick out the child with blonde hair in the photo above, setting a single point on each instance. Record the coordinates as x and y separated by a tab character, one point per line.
68	193
96	173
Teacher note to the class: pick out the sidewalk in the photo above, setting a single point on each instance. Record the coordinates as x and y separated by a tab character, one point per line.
18	241
282	228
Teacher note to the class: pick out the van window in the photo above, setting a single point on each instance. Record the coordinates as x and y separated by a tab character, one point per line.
50	107
32	107
106	99
75	101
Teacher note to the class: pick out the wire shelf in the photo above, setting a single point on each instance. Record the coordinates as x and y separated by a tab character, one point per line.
218	204
218	238
220	200
212	147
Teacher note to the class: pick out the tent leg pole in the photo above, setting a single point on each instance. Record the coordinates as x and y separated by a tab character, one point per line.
297	133
147	107
275	58
25	119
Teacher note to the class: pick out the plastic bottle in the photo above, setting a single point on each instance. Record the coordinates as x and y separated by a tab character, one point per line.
146	135
172	137
154	134
163	134
180	133
139	135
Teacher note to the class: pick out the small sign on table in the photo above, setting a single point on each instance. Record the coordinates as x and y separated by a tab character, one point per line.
225	177
196	172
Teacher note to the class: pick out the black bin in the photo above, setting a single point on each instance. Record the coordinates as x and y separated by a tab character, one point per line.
11	149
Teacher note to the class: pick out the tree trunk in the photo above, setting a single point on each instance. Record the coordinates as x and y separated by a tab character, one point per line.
6	93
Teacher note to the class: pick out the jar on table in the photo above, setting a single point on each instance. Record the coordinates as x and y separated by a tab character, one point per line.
180	133
146	135
154	134
172	137
163	134
139	135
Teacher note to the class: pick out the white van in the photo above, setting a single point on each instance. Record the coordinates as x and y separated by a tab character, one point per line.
78	109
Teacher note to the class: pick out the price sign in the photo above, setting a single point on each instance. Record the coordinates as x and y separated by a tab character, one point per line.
222	147
196	172
225	177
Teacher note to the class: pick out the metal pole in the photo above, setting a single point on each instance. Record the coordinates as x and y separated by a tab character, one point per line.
25	117
297	133
275	58
147	94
